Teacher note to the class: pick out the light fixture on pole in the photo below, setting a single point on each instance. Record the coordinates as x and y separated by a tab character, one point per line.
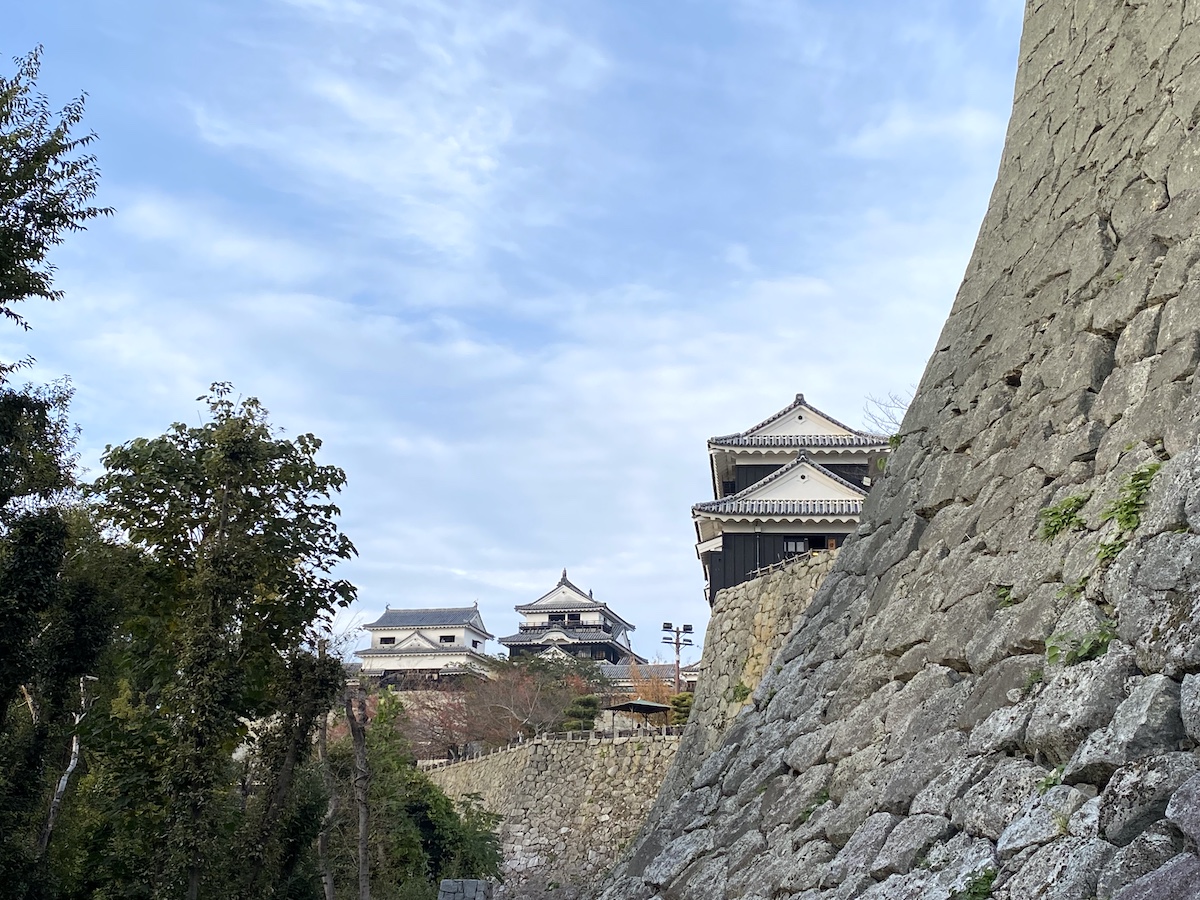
677	638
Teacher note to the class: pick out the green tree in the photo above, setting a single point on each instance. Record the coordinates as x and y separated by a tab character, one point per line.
236	529
46	187
47	182
417	835
681	708
54	619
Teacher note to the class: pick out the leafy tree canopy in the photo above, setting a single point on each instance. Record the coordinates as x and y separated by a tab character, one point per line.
47	181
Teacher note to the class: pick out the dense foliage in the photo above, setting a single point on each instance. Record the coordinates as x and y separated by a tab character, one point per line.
165	690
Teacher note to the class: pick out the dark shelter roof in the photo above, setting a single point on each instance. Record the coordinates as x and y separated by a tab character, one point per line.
645	707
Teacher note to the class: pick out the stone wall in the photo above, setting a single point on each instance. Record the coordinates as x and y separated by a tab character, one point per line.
568	807
994	692
749	624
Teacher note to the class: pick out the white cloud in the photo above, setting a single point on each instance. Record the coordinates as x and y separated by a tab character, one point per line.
903	127
417	113
197	233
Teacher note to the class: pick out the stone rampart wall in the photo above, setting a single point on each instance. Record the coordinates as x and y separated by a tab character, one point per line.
568	808
749	623
996	691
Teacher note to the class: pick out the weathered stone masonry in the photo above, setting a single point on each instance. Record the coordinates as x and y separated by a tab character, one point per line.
912	741
748	626
568	807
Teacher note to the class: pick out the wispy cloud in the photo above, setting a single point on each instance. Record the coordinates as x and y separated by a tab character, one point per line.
902	127
416	113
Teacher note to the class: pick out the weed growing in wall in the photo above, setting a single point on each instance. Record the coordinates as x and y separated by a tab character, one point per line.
1070	650
978	888
1127	509
1054	779
1062	516
817	802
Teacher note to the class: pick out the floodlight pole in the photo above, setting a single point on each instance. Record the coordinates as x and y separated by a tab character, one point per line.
679	641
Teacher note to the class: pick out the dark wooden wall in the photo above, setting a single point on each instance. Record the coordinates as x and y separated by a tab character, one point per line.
741	554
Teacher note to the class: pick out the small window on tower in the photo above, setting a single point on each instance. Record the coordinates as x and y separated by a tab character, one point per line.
390	640
572	617
447	639
795	545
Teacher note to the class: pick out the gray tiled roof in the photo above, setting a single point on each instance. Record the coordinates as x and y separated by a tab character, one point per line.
730	506
430	618
791	441
794	405
738	504
583	637
541	605
624	671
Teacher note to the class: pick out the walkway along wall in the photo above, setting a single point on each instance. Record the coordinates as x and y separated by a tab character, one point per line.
996	691
569	807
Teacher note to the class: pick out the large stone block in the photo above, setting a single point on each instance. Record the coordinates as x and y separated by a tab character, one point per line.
1146	723
1076	701
1138	793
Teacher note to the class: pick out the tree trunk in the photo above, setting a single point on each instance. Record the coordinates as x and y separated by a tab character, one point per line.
60	790
330	811
356	717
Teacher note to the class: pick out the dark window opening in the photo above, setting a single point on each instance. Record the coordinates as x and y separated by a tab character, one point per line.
795	545
557	617
572	617
475	645
390	640
447	639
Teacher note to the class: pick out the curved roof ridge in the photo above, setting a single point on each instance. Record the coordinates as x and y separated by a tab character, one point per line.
798	403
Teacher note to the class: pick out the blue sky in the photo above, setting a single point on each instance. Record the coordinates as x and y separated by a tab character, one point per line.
515	261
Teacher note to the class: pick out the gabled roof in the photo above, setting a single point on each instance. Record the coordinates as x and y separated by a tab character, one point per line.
450	617
798	404
566	596
750	500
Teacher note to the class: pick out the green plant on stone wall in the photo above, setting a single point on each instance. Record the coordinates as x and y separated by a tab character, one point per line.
1110	550
1004	596
739	692
817	802
978	888
1127	509
1062	516
1070	650
1054	779
1074	588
